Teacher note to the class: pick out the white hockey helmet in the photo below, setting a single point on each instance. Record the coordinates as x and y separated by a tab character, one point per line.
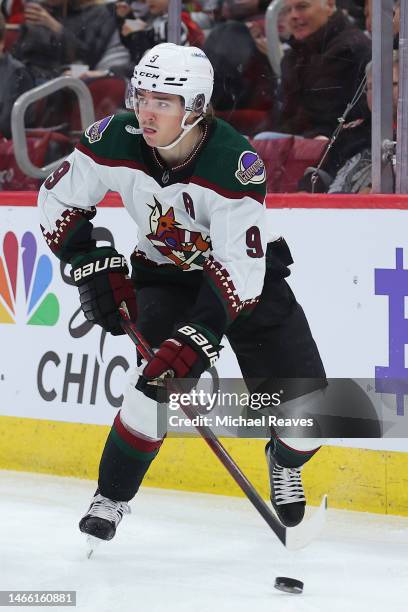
174	69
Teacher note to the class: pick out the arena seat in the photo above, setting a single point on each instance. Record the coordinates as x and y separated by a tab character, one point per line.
286	159
274	153
108	95
304	153
12	32
11	177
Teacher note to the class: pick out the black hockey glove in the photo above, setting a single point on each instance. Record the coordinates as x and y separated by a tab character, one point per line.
101	277
187	354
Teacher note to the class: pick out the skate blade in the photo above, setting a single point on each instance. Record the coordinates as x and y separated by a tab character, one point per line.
92	544
308	530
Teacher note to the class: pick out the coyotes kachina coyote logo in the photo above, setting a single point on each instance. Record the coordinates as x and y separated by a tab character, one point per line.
186	249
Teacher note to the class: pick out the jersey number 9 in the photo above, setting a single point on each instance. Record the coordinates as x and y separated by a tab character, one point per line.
57	175
254	243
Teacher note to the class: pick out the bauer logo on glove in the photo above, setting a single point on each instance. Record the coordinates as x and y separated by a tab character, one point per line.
100	265
201	341
187	354
103	284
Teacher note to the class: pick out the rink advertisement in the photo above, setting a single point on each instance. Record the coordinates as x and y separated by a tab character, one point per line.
350	275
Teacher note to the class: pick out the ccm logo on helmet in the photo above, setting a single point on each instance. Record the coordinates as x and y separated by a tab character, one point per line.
201	341
150	75
108	263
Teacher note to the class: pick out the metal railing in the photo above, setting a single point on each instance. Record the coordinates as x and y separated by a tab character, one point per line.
18	128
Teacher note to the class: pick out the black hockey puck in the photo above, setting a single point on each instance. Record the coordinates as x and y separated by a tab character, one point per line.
288	585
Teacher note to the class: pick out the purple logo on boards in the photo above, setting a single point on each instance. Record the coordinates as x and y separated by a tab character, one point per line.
394	378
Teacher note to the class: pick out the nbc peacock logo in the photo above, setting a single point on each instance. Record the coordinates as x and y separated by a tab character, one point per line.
24	281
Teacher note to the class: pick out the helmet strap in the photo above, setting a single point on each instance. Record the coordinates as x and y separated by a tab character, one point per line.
185	129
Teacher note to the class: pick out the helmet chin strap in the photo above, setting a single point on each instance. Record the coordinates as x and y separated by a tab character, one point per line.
184	131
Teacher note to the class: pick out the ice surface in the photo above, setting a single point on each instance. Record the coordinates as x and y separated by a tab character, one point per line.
190	552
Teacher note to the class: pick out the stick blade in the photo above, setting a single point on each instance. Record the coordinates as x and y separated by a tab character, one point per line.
308	530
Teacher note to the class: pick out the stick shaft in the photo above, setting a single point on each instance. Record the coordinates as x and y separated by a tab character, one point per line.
213	442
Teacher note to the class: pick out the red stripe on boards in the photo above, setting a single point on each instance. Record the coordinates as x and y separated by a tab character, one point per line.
274	201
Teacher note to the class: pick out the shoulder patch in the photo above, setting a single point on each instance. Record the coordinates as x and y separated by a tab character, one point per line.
251	168
95	131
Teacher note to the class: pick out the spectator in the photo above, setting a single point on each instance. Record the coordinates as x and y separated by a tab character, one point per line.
354	175
139	35
59	33
368	12
242	10
353	9
39	43
322	69
18	80
396	22
89	30
243	76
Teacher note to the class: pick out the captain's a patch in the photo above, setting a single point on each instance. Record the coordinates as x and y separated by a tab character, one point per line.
251	168
95	131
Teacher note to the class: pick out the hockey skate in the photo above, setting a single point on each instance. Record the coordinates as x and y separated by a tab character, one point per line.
103	517
287	495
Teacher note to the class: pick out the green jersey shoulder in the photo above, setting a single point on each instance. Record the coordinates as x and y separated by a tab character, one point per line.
231	163
113	138
228	164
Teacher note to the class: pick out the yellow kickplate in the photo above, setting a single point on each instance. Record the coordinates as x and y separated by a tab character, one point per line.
354	479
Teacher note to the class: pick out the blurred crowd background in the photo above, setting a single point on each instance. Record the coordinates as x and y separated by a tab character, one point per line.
285	72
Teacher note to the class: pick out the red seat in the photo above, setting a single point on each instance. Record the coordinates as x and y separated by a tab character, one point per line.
11	177
11	35
108	95
274	153
286	159
304	153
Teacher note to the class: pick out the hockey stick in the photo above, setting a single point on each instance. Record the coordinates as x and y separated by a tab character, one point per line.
293	538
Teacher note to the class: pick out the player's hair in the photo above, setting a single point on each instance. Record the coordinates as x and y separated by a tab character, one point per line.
209	115
2	27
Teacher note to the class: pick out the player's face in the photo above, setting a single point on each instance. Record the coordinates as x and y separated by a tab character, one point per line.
304	17
160	116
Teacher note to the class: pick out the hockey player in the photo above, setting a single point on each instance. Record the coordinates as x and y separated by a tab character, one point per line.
203	267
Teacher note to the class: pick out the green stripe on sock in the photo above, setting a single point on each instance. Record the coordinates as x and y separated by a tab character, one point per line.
130	450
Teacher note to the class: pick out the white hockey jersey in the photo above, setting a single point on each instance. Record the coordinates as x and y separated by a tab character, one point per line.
205	218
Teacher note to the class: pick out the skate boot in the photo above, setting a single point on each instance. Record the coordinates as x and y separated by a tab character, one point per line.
103	516
287	494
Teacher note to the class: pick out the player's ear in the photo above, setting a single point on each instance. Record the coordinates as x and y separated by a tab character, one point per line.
191	118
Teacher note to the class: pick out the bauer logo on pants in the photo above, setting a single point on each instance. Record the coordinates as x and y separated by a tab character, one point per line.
24	281
251	168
